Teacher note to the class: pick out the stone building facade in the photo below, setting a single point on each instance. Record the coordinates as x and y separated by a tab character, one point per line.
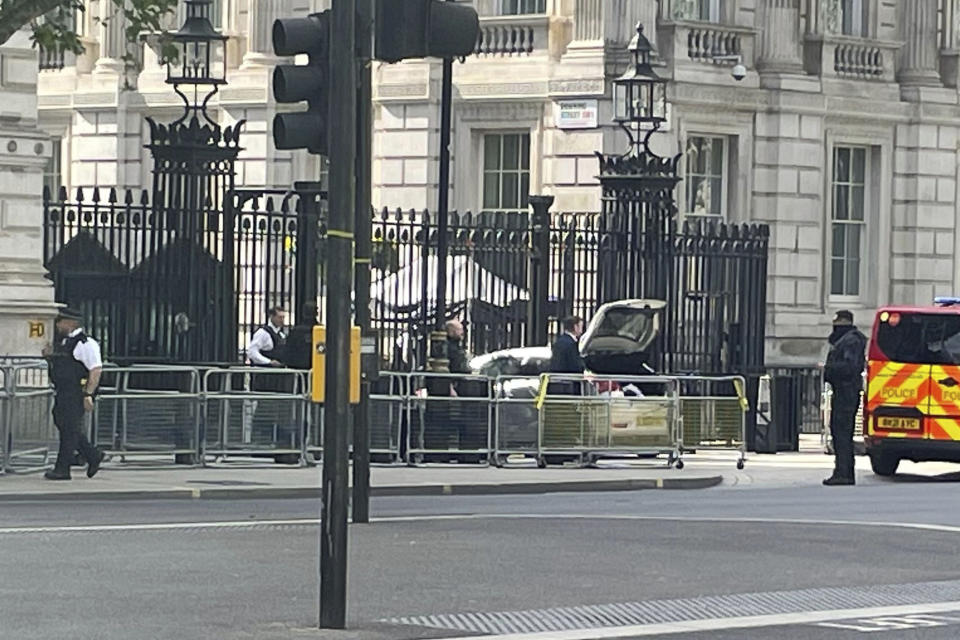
843	136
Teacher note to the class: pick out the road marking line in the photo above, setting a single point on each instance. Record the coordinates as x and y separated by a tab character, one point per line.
249	524
718	624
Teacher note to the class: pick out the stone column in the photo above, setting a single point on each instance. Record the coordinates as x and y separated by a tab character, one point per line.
28	306
113	40
918	30
588	22
780	37
621	18
261	14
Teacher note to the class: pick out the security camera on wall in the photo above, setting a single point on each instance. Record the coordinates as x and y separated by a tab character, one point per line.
738	71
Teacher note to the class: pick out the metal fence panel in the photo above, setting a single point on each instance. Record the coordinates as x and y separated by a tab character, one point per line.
516	417
255	411
28	434
449	416
714	413
149	411
591	417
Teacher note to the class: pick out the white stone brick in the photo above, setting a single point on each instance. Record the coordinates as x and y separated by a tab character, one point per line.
83	174
778	125
904	188
254	173
946	190
587	171
782	291
419	116
107	174
926	189
948	138
765	180
794	264
945	244
811	127
808	292
788	180
783	236
902	242
925	243
415	171
96	148
577	199
927	135
21	215
905	162
907	135
391	116
399	144
903	294
905	214
84	123
391	172
810	183
107	123
17	70
937	163
935	217
903	268
810	238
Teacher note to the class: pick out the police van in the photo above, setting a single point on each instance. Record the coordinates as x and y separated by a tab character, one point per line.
912	407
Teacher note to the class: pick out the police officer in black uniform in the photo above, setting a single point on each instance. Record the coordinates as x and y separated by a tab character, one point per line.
75	367
268	348
844	371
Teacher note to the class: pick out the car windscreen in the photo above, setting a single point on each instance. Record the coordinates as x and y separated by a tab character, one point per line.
920	338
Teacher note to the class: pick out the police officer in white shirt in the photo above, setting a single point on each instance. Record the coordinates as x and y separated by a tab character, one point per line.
75	368
268	346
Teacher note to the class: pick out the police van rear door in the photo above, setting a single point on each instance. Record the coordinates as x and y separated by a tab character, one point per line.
914	376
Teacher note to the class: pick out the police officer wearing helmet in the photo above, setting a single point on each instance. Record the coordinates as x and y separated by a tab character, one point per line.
844	371
75	368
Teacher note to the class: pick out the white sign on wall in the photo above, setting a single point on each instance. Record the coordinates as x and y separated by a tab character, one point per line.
576	114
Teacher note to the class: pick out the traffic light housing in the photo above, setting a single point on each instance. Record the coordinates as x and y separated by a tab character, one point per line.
298	83
424	29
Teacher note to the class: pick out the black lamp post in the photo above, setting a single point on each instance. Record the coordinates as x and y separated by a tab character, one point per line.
640	95
200	60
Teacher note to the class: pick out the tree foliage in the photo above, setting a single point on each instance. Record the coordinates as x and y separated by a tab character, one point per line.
54	23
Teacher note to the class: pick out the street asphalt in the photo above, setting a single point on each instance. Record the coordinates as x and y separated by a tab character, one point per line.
767	546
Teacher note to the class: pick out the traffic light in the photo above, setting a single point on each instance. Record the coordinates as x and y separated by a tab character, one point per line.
424	29
296	83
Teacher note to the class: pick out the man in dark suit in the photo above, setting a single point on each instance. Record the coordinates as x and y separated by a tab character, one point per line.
565	357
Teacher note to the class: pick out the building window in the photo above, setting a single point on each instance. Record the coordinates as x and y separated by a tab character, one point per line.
522	7
847	224
706	175
506	171
706	10
52	176
853	14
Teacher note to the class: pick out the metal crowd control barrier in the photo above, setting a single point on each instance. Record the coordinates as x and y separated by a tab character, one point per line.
255	411
713	413
592	417
149	411
27	433
826	439
449	417
389	409
516	421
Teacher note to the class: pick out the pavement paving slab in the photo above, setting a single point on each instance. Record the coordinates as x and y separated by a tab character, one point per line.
118	481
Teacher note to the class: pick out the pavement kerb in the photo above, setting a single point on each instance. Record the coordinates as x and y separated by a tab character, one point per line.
277	493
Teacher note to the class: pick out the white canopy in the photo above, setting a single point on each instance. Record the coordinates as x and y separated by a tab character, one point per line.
466	281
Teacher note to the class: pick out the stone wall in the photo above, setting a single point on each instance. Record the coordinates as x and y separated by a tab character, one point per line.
26	297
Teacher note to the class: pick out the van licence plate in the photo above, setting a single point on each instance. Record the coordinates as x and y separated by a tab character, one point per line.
898	424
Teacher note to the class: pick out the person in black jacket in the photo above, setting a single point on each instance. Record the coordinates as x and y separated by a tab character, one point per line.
844	371
565	357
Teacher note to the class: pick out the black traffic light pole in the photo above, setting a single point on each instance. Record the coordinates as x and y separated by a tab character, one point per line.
443	204
364	247
340	236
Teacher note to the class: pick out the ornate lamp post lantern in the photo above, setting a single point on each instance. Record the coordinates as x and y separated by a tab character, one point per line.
638	188
200	60
194	162
640	95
